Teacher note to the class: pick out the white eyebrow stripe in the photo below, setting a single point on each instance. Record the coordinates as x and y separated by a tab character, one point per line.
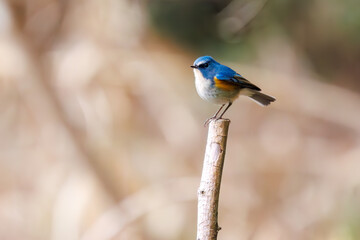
202	62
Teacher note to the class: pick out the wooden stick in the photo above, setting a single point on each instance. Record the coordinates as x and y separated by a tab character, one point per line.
208	193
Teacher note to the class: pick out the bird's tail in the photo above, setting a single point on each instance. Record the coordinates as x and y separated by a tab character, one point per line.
260	98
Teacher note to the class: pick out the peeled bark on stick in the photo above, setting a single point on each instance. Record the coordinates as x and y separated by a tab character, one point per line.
208	193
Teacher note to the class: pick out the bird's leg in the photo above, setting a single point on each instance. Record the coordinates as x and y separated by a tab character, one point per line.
230	103
213	117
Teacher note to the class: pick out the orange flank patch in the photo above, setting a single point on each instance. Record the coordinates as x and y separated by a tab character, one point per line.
224	85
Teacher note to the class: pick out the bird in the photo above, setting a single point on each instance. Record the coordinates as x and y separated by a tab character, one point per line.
219	84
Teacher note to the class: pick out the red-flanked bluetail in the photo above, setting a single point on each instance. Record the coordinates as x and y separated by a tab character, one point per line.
221	85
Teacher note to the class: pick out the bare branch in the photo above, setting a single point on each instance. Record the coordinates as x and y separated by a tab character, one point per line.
208	193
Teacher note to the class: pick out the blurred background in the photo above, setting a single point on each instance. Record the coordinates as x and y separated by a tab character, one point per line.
102	131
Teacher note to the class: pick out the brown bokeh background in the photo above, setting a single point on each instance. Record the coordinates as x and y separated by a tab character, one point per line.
101	127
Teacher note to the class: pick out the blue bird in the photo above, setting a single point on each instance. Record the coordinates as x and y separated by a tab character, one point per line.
221	85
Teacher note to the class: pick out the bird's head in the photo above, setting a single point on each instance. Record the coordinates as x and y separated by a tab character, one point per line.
206	65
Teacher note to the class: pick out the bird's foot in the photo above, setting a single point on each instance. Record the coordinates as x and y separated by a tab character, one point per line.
206	123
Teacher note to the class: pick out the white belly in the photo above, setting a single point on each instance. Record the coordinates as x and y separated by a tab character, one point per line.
208	92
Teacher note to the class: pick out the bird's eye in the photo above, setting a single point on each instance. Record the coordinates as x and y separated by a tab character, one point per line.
204	65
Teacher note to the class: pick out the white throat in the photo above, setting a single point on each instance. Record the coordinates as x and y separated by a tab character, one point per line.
202	84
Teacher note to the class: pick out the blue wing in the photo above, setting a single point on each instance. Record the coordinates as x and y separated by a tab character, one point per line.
233	78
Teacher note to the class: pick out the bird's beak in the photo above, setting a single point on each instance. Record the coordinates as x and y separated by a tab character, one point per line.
193	66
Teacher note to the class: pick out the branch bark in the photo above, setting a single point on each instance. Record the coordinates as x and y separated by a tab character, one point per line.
208	193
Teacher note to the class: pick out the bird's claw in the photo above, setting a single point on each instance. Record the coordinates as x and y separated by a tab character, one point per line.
206	123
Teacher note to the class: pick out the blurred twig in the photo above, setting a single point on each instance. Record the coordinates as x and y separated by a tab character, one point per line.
37	91
238	15
131	208
208	193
